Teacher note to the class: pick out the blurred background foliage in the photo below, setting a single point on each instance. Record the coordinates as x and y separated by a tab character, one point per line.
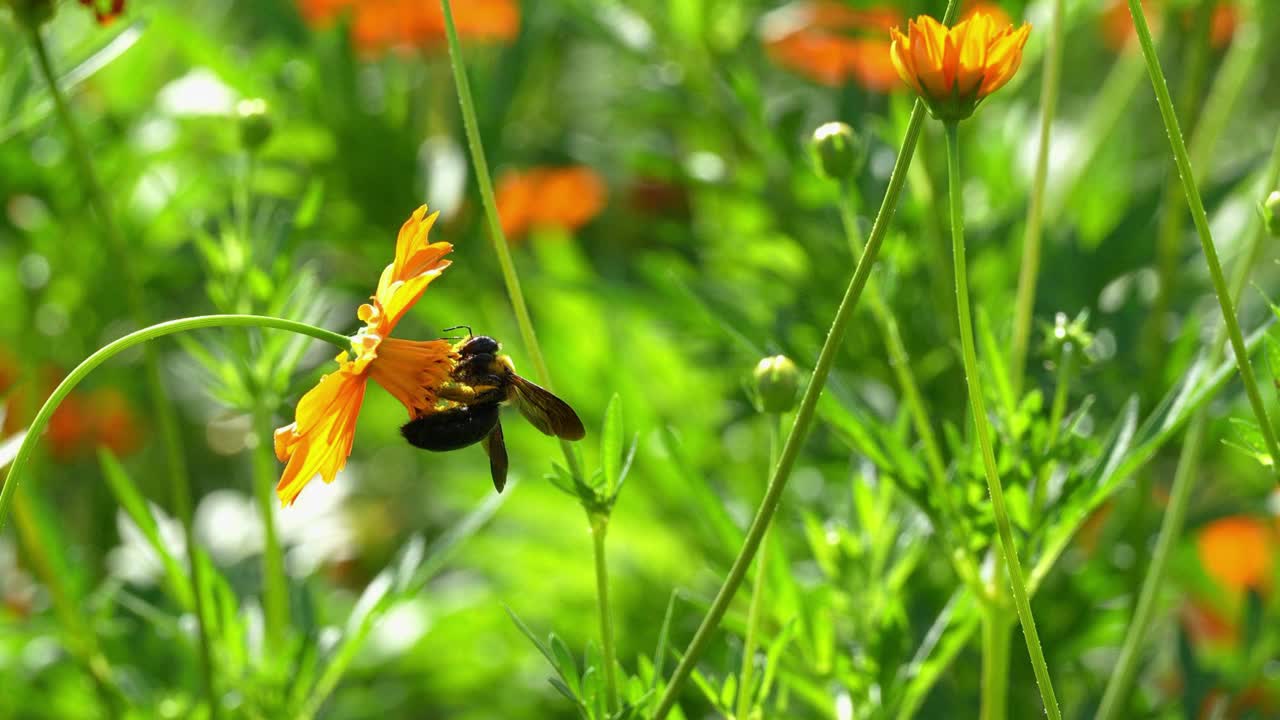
670	230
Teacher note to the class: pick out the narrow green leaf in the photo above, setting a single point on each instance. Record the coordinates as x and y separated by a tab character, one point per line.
611	444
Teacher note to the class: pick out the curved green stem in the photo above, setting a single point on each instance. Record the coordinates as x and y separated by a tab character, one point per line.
1004	527
165	418
1201	219
1027	274
1175	515
118	346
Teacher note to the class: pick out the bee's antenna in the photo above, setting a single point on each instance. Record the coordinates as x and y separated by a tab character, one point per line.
458	327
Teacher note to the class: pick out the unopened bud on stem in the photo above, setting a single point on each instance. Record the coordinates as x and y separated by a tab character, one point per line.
777	380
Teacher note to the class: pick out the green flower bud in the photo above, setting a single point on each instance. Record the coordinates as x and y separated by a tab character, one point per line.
1271	213
837	151
776	381
255	123
32	13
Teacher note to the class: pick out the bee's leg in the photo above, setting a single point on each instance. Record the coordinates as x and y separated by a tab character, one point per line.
457	392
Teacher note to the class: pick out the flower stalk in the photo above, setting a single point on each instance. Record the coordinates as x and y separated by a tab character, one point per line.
133	339
750	640
599	528
1175	515
165	418
1025	301
1201	219
804	415
1004	527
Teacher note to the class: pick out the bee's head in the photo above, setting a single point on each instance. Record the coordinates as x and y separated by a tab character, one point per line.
479	345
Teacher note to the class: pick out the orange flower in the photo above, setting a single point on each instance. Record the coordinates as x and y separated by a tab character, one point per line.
318	442
1222	24
564	197
1237	551
105	11
380	24
1117	22
113	422
985	7
81	422
831	43
954	70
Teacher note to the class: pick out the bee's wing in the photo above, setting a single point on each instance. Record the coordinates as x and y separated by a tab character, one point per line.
547	412
496	449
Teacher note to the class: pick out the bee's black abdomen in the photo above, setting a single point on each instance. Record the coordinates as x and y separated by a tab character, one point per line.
452	429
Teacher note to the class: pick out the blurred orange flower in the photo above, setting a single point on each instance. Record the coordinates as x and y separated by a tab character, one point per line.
832	43
105	11
1117	22
1238	551
319	440
986	7
954	69
81	422
563	197
113	423
377	25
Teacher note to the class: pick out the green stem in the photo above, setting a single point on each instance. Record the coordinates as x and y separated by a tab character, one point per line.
995	664
1114	699
1169	231
499	239
119	345
1066	367
804	415
275	585
1201	219
1004	527
746	677
1027	274
599	528
900	362
162	411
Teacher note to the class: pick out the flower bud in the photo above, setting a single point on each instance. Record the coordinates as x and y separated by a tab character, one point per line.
837	151
776	381
255	123
1271	213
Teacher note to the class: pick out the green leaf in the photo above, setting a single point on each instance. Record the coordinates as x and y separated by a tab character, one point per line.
135	506
611	444
564	662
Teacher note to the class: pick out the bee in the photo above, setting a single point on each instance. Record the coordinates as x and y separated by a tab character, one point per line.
483	380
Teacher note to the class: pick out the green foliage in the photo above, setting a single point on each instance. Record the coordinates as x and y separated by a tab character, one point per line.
408	589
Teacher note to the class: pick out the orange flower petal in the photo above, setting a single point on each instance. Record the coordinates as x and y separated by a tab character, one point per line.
1003	60
417	263
319	441
413	371
927	38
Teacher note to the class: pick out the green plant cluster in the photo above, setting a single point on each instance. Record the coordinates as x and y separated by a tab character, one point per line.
233	164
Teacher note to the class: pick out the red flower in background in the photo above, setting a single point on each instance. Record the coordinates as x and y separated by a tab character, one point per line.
832	43
377	25
105	11
1117	22
563	197
82	422
1238	551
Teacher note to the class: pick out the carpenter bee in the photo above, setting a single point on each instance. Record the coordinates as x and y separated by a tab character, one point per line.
482	380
